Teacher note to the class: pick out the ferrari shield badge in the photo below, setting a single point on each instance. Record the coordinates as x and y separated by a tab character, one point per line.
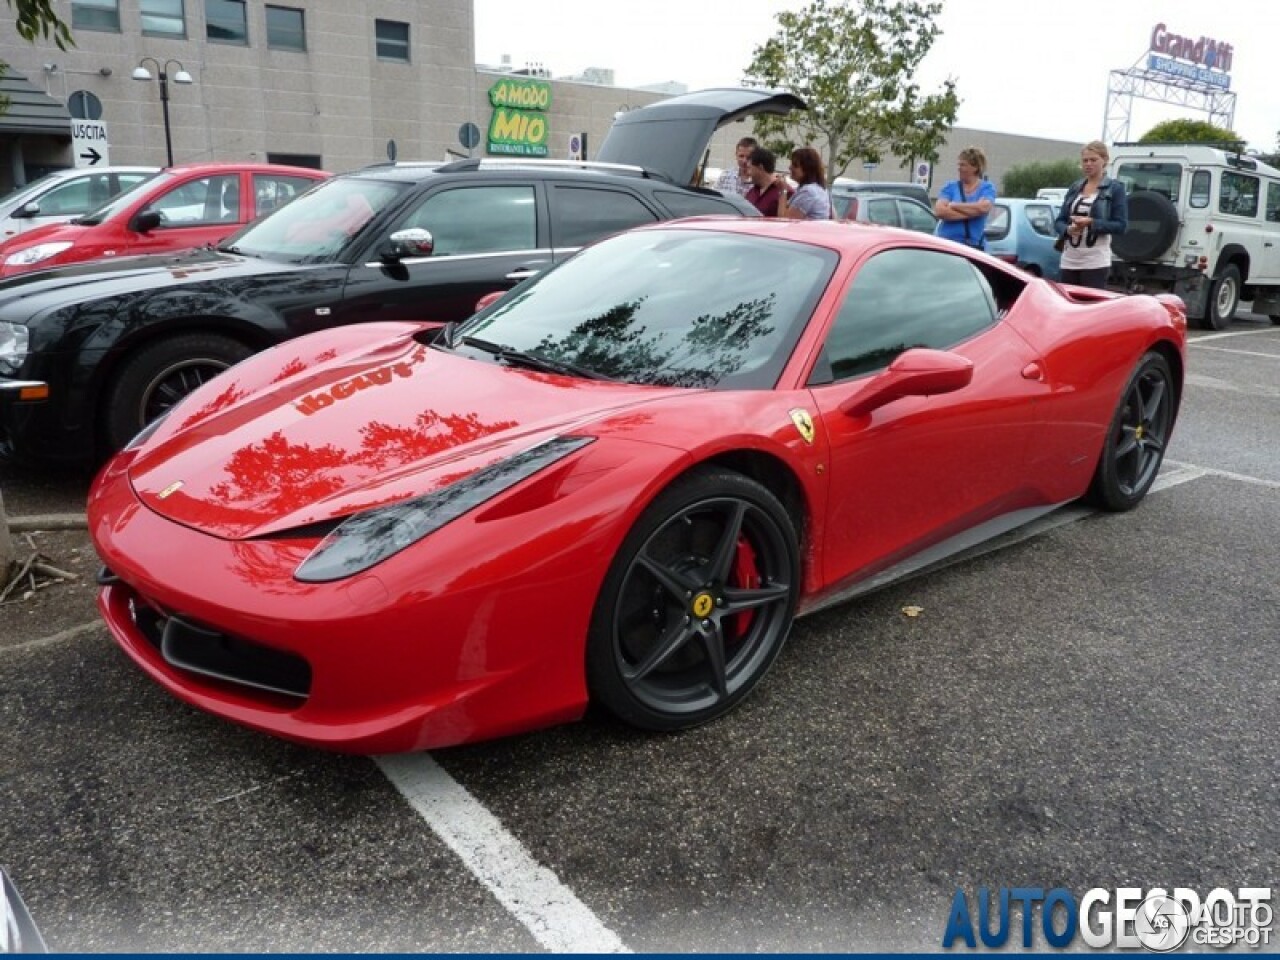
804	423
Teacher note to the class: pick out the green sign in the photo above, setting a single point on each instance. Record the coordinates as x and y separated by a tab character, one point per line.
519	123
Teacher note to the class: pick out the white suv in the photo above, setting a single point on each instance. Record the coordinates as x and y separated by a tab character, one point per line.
1204	223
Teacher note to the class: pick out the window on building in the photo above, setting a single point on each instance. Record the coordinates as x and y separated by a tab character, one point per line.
95	15
309	160
226	21
163	18
286	29
393	40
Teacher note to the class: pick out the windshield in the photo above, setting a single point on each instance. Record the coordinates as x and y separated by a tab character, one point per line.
320	224
1164	178
687	308
124	201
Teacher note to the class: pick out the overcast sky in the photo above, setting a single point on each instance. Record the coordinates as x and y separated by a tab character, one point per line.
1021	66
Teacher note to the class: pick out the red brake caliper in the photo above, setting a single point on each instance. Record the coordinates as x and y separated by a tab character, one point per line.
745	576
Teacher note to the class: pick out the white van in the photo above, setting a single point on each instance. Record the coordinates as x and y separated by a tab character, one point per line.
1204	223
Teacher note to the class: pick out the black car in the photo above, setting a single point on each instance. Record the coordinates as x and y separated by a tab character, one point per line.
89	354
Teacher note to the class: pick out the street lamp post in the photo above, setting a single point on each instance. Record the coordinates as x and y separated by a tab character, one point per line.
142	73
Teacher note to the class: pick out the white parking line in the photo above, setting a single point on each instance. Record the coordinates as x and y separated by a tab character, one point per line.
1214	472
558	920
68	634
1192	341
1243	353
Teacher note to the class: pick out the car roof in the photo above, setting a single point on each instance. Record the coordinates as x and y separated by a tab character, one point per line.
847	236
250	167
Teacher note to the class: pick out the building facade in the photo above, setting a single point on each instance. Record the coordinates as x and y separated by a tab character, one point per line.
324	83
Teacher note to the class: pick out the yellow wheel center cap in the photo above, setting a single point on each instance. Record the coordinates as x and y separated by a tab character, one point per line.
1139	432
703	604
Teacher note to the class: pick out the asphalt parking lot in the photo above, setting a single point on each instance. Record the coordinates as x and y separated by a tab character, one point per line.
1092	704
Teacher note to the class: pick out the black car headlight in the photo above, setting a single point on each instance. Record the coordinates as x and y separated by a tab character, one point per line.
368	538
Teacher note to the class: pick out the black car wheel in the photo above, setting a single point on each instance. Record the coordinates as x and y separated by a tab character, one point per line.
1137	438
696	605
1224	297
158	376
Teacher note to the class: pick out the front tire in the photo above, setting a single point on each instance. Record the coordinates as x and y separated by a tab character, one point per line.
1137	438
1224	298
697	603
150	382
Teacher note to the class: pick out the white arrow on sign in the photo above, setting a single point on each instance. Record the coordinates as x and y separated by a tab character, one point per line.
89	145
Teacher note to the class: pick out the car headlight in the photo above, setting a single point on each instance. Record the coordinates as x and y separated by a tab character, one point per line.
41	251
368	538
15	342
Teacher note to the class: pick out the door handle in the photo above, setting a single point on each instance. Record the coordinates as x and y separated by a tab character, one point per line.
524	273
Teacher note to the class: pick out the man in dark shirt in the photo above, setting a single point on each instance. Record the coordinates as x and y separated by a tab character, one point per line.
764	191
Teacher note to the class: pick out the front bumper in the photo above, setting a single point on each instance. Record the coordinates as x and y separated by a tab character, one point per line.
486	639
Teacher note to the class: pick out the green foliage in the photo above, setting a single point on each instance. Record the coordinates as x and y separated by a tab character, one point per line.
854	61
1026	180
38	21
1189	131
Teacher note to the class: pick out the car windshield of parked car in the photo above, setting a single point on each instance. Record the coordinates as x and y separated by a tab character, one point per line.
14	197
124	201
687	308
319	225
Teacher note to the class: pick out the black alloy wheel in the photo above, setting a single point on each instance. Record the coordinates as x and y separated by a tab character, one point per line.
1138	436
697	603
157	377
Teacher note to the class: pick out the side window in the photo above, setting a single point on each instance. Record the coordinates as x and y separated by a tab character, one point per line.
882	211
202	202
1238	194
489	219
580	215
901	299
1041	219
271	192
1273	202
68	199
916	217
1200	184
695	204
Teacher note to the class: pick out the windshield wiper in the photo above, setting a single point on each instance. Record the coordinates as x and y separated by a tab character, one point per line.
232	248
532	360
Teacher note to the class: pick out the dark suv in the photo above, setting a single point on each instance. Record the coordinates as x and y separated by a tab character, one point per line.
91	353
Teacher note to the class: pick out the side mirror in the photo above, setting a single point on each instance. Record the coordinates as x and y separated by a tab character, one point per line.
26	211
146	221
405	244
489	299
915	373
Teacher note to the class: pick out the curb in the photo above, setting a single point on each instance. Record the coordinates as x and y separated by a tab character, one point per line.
49	521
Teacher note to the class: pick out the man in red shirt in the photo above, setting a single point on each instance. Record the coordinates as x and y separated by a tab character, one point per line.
764	191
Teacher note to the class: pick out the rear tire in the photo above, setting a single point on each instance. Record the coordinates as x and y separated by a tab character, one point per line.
1224	298
1137	438
158	376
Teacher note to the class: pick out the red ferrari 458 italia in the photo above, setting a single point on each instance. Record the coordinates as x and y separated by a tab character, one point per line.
620	482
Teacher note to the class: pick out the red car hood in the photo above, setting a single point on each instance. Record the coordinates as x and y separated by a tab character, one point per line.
353	432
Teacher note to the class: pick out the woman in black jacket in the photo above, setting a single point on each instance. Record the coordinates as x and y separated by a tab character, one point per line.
1095	208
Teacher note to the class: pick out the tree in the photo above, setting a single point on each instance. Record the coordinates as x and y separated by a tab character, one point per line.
1027	179
38	21
1190	131
853	62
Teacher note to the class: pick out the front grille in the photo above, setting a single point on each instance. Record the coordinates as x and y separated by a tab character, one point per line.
189	646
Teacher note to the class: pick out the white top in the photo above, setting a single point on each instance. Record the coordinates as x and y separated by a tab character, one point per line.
1077	254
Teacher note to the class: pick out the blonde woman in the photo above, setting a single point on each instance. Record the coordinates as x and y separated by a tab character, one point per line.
963	203
1095	208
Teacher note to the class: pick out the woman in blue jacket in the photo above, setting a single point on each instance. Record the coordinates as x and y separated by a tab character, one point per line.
1095	209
